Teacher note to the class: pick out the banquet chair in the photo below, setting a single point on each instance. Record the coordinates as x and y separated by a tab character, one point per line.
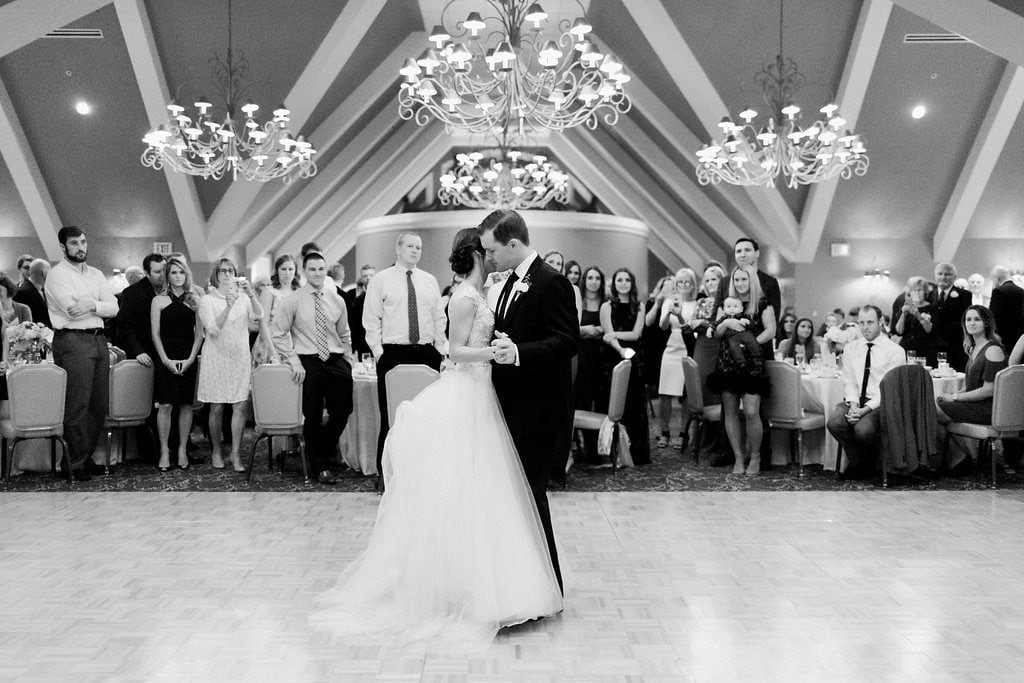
1007	416
908	422
589	420
785	407
276	411
695	402
37	412
404	383
130	404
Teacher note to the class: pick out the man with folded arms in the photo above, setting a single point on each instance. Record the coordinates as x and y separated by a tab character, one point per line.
310	331
856	421
79	298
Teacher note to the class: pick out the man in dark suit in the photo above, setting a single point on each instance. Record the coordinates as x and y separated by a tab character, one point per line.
32	292
1007	307
537	334
948	305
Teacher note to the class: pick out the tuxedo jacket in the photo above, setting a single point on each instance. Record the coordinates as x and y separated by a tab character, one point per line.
1007	306
947	320
134	330
542	322
28	294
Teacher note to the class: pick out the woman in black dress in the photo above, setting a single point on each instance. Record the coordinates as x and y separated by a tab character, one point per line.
589	377
912	321
622	319
177	335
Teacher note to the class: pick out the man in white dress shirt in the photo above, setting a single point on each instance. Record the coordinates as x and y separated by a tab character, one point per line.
404	321
856	421
79	298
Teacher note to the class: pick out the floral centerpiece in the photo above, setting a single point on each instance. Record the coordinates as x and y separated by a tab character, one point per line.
838	337
27	343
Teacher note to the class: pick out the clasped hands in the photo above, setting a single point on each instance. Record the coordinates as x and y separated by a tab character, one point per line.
504	349
854	414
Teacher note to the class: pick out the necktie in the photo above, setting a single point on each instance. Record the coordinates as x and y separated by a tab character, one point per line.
506	294
867	374
942	297
414	314
320	323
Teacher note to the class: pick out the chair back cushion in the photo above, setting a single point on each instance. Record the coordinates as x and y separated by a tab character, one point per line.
37	396
619	390
276	398
785	402
404	383
1008	402
691	380
131	391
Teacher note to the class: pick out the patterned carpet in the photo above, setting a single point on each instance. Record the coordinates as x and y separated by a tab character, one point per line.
669	471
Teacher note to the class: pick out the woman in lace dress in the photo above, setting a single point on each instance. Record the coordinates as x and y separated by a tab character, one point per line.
458	550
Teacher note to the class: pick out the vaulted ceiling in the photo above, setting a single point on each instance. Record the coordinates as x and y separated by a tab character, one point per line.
951	176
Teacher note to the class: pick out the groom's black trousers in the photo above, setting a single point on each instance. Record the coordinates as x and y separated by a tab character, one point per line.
395	355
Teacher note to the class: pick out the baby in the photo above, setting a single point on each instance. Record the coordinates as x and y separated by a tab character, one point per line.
740	343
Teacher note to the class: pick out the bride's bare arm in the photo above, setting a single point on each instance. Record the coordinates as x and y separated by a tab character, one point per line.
461	311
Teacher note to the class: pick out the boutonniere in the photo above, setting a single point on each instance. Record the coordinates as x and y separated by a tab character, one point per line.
522	286
953	294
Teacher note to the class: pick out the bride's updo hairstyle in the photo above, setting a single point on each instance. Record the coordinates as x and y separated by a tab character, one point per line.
464	246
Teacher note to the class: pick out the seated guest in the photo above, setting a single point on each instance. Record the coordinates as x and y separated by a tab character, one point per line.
802	338
787	323
176	336
914	325
985	357
33	293
856	421
11	312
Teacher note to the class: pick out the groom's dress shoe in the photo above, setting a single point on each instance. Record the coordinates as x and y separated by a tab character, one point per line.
327	478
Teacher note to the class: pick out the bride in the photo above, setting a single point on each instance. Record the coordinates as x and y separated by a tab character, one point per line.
457	551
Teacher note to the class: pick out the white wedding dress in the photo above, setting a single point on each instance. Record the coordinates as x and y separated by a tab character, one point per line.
457	551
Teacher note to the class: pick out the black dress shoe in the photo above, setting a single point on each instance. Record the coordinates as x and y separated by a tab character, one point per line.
327	478
79	475
723	461
91	467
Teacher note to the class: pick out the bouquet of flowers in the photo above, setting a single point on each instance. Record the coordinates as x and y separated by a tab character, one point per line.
838	337
27	343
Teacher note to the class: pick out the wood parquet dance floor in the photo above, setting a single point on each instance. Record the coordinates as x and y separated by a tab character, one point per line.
881	585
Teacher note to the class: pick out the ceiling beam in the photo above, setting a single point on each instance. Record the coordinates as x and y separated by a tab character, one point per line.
28	179
149	73
351	26
992	135
580	159
363	182
24	21
853	88
367	94
695	85
994	28
320	187
395	181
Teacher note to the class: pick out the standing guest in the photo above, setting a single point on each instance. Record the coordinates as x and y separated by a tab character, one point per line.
741	376
176	335
915	320
986	357
654	339
949	303
404	322
227	363
787	323
11	312
856	422
800	342
574	274
674	317
79	299
555	259
622	320
24	263
33	292
976	285
589	378
1007	306
283	281
133	274
703	323
134	319
311	334
355	314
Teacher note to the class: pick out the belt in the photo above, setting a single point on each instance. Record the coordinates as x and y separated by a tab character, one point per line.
92	331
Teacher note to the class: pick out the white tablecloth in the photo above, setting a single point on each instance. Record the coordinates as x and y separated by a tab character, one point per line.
358	443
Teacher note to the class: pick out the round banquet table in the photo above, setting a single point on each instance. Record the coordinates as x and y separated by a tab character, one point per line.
358	443
820	395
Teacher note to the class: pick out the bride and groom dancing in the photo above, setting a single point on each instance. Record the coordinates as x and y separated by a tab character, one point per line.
463	544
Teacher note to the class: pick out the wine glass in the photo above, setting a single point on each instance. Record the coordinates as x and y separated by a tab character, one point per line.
911	357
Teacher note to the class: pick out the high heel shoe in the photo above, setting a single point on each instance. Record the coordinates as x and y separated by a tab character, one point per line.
236	464
183	465
162	469
737	467
755	465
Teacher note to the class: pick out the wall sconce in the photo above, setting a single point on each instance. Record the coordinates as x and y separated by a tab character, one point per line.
876	274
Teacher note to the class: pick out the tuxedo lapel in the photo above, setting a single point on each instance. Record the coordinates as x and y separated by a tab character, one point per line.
515	297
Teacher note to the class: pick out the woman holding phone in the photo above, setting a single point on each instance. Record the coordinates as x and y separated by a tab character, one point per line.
177	336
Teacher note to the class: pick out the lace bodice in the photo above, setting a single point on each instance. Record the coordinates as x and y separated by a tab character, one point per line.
483	320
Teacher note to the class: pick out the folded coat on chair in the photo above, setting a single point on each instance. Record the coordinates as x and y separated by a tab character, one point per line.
909	420
604	443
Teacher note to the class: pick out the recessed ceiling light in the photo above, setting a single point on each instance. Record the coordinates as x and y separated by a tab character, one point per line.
918	112
82	107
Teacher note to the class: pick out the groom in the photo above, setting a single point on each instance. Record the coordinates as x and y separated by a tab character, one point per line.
537	334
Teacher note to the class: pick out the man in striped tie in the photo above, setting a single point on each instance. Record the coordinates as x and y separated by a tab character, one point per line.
310	330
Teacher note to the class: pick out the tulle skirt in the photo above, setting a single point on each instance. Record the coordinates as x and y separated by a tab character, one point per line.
457	551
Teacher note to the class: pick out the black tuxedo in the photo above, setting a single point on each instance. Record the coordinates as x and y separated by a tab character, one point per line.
947	321
1007	307
28	294
134	329
535	396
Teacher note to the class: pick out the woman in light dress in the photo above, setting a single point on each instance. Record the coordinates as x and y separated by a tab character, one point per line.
457	551
226	367
674	316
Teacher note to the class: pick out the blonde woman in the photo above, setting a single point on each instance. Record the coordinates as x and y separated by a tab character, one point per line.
675	314
912	321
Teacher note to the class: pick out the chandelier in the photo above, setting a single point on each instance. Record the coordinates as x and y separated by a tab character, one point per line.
209	145
502	179
748	155
513	73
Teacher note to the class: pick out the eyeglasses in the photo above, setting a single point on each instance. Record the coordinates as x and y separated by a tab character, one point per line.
226	271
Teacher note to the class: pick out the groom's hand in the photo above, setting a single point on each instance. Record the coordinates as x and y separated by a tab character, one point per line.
504	350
